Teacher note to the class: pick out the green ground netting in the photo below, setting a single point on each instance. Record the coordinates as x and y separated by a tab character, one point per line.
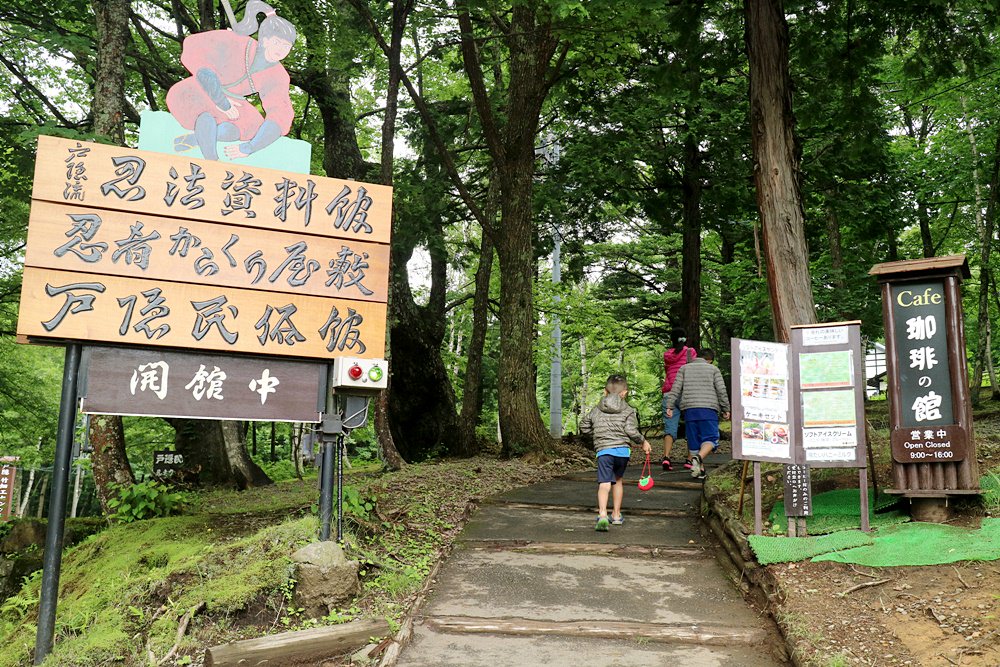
841	510
790	549
924	544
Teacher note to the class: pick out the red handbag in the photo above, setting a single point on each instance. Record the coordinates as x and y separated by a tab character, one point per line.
646	478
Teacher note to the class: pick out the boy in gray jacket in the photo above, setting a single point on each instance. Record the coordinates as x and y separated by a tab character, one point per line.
614	426
702	394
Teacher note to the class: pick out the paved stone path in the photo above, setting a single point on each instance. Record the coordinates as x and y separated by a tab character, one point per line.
531	583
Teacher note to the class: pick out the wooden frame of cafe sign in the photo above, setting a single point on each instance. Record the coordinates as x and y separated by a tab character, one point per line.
930	411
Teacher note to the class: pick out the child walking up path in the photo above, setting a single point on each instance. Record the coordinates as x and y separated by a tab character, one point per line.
614	425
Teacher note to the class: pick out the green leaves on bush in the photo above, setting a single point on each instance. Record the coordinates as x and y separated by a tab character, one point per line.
145	500
356	504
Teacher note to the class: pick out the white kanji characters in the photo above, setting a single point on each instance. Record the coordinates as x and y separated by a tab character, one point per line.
927	407
207	384
921	328
942	433
152	377
922	358
928	434
914	435
265	385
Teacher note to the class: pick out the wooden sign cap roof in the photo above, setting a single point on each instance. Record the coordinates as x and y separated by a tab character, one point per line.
927	264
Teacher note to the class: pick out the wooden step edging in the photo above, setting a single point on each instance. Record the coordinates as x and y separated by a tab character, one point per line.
624	550
681	633
636	511
755	580
314	643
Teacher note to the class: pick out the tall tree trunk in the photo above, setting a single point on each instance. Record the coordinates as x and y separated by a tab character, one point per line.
42	496
206	15
109	460
472	390
510	137
776	172
111	17
383	401
924	216
107	434
691	187
217	451
838	276
727	295
691	180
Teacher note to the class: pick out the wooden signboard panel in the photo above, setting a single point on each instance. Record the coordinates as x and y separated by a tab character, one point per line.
125	179
93	240
72	306
161	383
8	478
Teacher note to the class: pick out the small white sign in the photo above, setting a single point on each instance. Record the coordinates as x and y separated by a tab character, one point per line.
843	436
824	336
831	454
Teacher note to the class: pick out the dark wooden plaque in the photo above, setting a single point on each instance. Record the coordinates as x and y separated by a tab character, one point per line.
151	382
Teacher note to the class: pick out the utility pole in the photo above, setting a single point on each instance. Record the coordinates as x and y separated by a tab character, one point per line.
550	153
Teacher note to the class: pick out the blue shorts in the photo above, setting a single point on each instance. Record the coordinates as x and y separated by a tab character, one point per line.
701	431
611	468
670	424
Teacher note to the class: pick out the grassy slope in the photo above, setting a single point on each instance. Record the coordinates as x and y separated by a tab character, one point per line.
123	590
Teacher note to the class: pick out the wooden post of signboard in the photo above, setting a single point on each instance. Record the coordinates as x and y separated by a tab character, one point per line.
930	411
758	519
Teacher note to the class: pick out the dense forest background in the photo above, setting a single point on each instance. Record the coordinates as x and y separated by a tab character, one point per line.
621	129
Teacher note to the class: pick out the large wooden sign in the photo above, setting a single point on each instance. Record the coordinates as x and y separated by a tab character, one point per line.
116	243
930	412
152	382
139	248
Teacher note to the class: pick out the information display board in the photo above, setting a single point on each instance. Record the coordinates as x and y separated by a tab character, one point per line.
762	418
831	394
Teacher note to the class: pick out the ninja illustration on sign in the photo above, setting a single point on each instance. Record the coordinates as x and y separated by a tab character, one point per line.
226	67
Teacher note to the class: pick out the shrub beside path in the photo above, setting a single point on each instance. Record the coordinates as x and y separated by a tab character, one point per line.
531	583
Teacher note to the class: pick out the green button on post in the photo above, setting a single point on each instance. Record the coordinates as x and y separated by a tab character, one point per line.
375	374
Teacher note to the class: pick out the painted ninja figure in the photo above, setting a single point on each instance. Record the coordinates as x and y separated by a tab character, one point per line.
226	67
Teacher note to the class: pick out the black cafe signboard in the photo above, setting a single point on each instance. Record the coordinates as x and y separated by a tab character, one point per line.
930	411
920	334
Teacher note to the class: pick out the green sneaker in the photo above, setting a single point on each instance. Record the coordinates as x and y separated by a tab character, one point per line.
602	524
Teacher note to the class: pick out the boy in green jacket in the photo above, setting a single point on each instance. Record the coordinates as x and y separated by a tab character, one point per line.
614	425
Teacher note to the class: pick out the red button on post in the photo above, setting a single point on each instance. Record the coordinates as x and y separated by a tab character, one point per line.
355	372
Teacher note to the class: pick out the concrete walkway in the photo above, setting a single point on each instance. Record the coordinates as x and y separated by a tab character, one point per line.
531	583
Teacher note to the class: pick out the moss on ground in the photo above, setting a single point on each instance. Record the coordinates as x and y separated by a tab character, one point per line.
122	591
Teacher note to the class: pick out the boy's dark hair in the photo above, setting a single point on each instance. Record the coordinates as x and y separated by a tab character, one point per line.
616	384
708	355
